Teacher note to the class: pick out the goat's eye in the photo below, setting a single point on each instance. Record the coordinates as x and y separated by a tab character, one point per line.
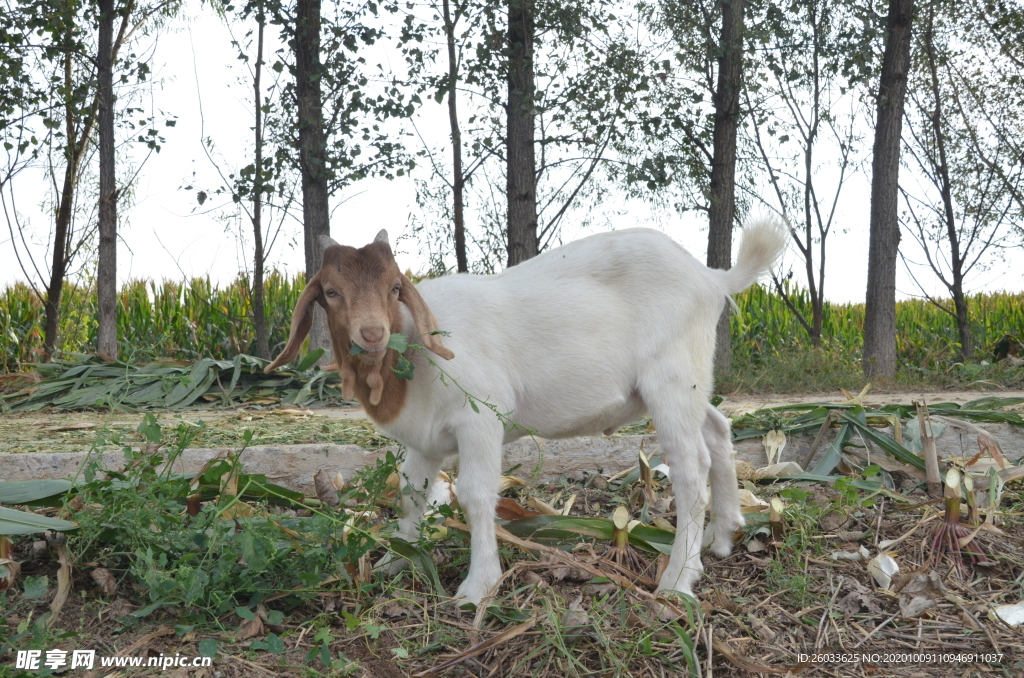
397	288
331	293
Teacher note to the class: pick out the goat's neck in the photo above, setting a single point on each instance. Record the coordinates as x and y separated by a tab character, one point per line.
365	375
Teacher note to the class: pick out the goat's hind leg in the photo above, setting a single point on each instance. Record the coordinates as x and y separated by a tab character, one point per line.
419	472
678	415
726	514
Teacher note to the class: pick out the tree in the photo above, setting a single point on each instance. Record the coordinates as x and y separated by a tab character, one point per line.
585	77
106	270
258	312
58	99
803	116
521	166
458	175
693	117
722	193
312	147
880	309
335	115
960	209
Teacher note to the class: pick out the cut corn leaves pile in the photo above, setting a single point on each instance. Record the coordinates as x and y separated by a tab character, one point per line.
82	381
856	425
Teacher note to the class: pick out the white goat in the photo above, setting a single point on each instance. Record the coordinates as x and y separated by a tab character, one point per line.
581	339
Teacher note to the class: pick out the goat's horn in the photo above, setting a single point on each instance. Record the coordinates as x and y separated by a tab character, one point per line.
327	241
382	237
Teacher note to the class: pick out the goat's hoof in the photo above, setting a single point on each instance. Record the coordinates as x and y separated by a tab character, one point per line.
473	592
720	536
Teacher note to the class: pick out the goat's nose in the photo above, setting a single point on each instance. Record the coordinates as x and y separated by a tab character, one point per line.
372	334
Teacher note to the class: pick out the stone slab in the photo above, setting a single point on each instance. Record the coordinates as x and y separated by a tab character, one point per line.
539	460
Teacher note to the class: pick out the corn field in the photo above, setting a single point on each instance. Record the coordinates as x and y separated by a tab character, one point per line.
926	336
186	321
197	320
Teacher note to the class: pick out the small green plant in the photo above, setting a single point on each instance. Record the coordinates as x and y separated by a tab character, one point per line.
213	541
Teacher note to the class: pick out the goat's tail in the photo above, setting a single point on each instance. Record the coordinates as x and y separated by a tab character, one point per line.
763	242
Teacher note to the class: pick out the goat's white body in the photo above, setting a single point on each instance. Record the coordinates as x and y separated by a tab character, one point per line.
580	339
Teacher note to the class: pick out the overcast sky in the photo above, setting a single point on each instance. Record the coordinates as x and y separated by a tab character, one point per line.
163	236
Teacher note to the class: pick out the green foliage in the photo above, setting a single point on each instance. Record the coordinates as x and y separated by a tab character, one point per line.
235	552
182	321
198	320
765	334
86	381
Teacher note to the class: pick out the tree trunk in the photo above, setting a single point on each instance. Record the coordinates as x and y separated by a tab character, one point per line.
62	227
722	209
312	154
941	167
259	317
521	167
458	180
106	276
880	311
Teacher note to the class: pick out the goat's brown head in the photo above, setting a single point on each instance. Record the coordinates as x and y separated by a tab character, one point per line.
361	290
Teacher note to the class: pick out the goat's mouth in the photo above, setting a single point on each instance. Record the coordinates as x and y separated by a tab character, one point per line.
366	354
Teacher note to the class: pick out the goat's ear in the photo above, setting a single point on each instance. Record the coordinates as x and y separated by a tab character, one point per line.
382	236
424	319
302	320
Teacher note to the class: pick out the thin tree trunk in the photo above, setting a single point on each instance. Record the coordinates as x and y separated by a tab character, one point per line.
106	276
521	167
458	179
722	211
77	145
62	227
945	188
259	317
312	154
880	311
815	291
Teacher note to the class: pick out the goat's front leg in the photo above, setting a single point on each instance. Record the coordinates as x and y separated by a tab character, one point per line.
479	478
419	472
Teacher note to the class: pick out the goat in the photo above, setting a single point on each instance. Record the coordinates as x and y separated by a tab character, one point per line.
578	340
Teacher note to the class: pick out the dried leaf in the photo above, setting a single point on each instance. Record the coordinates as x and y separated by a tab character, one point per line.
105	580
883	568
919	592
326	490
542	506
63	582
249	628
774	443
510	509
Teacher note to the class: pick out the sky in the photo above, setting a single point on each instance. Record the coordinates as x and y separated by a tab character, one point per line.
165	235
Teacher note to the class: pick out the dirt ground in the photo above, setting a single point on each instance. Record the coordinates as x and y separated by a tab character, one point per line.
796	597
78	431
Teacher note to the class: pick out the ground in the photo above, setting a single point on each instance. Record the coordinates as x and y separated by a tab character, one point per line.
792	598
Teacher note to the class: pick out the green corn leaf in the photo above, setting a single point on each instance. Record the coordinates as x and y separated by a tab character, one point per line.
310	360
16	492
20	522
890	446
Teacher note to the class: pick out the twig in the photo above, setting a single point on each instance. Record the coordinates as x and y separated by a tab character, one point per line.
876	630
818	439
479	648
